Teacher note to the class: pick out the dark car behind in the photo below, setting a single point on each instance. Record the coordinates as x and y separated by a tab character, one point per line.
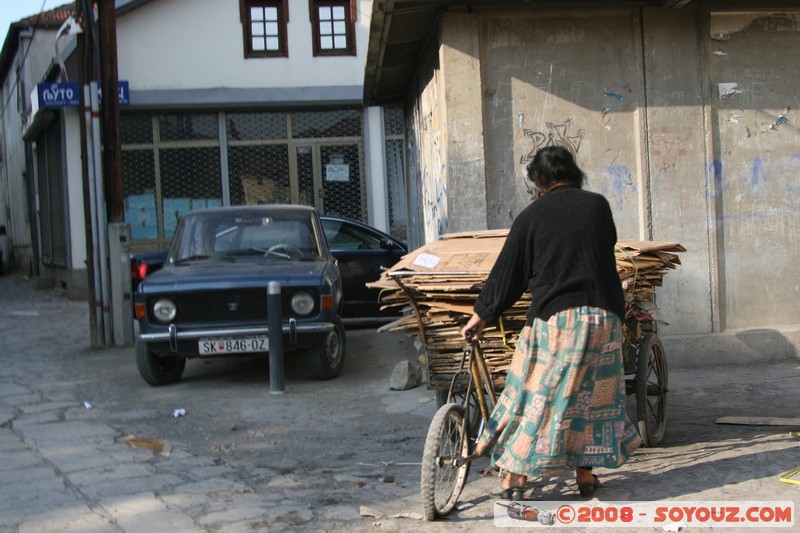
362	251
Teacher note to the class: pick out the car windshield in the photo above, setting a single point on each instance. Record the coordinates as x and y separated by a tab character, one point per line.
226	234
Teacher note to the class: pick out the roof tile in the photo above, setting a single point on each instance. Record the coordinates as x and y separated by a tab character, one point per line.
52	18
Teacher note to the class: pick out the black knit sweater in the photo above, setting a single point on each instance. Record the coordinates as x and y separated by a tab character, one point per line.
561	248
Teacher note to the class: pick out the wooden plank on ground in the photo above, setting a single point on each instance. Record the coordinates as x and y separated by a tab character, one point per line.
758	421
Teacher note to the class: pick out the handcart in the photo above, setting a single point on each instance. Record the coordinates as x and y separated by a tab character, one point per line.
646	379
438	284
466	398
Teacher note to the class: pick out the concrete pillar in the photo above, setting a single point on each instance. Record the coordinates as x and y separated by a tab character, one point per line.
464	166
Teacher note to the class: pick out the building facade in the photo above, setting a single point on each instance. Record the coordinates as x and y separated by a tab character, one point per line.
228	102
683	114
27	53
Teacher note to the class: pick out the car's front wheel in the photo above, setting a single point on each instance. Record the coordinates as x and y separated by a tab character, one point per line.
157	370
327	359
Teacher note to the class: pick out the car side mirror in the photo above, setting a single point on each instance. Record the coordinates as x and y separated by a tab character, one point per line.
388	244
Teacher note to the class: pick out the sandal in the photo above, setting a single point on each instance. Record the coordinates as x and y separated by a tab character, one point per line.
587	489
514	494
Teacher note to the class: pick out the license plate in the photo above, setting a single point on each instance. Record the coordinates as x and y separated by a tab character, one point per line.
224	345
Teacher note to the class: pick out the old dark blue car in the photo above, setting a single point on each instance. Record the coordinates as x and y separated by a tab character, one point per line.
210	297
361	251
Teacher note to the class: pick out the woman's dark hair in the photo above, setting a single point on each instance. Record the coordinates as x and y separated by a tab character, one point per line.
554	164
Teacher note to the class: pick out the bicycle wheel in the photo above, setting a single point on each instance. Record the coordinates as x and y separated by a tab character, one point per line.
472	410
651	390
441	479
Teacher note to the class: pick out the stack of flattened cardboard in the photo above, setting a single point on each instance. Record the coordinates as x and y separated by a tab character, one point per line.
641	266
438	284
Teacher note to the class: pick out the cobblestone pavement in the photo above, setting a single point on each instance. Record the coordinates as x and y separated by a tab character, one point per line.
341	455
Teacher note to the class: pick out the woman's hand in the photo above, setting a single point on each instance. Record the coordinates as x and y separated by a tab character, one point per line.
474	326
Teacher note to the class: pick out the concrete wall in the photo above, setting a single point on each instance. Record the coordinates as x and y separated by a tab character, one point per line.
446	142
676	204
428	203
684	119
757	158
463	133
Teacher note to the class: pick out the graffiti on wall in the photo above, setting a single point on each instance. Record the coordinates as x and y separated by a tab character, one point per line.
555	135
430	166
668	145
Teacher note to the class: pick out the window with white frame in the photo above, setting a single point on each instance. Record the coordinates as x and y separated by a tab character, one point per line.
333	26
265	24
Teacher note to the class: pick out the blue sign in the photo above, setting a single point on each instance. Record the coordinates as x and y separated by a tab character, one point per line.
58	94
122	89
68	94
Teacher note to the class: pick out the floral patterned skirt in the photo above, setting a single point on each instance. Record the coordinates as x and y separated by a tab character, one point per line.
563	404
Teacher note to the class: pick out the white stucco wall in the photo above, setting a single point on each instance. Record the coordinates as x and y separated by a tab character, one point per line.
198	44
377	193
72	156
38	51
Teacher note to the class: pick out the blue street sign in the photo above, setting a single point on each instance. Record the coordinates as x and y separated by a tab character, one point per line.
122	88
68	94
58	94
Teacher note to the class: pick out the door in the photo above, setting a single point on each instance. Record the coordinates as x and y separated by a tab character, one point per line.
330	177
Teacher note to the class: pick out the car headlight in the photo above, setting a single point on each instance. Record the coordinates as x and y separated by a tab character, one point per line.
164	310
302	303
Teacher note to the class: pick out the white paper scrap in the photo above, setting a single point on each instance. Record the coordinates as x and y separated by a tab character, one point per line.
427	260
726	89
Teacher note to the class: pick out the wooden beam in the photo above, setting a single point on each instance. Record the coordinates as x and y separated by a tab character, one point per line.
758	421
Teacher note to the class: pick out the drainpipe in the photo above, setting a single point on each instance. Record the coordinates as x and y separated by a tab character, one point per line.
100	213
97	304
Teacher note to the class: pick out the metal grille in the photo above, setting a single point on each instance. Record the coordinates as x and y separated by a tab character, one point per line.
393	120
194	308
188	127
255	126
344	192
396	188
251	308
305	174
189	180
395	171
136	129
259	174
172	164
325	124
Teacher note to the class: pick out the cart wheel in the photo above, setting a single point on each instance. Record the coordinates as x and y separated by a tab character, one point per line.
442	479
651	390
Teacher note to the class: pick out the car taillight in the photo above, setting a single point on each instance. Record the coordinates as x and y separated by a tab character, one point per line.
138	271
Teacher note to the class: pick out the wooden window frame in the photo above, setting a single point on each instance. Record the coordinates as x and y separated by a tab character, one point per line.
351	13
283	23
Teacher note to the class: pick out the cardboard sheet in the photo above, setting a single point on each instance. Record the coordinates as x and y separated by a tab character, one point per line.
438	283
